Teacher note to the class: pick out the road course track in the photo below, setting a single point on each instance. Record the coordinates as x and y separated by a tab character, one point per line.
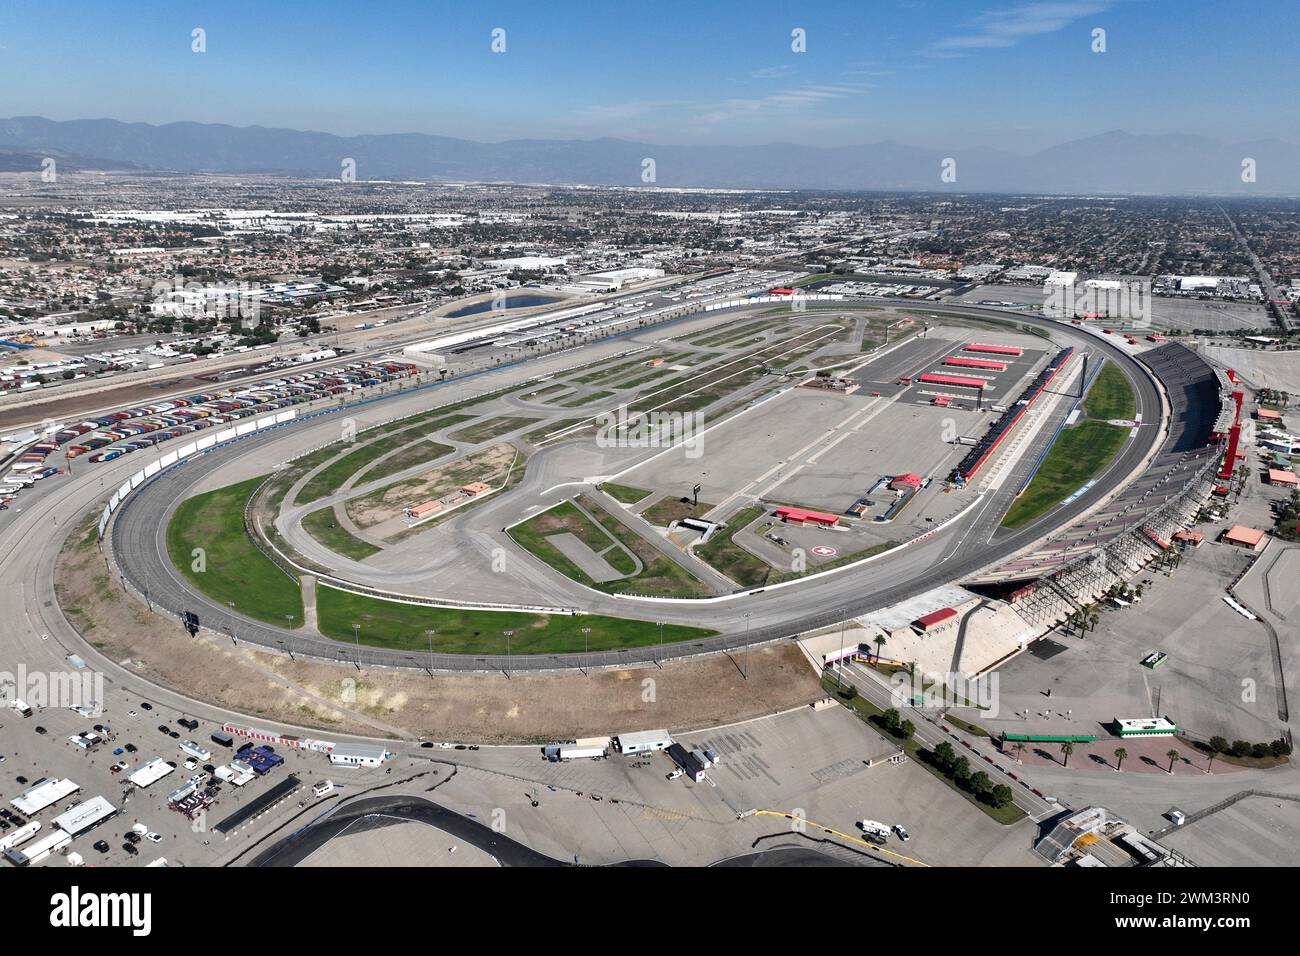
138	543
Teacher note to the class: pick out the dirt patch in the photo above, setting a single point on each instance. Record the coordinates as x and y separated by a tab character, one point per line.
488	466
685	695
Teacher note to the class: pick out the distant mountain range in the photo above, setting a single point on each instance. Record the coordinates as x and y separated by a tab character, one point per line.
1110	163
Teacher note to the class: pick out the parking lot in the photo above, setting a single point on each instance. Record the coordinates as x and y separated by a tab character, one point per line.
122	740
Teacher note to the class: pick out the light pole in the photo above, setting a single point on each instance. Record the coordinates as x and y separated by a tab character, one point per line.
745	672
231	605
585	652
508	635
839	664
429	634
356	633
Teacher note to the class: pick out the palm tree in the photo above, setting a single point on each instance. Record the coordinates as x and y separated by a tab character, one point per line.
1019	748
1093	620
1209	764
1067	748
880	642
1120	754
1173	755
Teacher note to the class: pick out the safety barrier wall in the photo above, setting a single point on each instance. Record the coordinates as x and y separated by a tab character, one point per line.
172	457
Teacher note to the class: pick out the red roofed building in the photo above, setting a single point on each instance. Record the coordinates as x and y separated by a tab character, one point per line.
906	482
987	364
1278	476
781	291
804	516
928	622
1267	415
931	379
1244	537
994	349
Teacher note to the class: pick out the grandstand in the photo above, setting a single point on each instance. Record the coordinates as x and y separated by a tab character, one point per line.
1080	561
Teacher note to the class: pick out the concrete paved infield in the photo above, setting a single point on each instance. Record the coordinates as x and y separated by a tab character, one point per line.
770	615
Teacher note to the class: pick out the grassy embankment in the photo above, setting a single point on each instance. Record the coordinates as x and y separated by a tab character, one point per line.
1082	451
404	626
229	567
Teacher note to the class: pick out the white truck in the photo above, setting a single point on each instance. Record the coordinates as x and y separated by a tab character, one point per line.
21	707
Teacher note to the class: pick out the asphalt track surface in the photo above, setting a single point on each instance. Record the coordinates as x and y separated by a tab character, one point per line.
960	550
381	811
377	812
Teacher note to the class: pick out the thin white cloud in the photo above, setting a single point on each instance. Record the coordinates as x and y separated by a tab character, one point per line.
711	113
794	98
772	72
995	29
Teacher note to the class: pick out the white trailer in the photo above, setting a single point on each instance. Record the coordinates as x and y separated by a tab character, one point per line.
875	831
196	751
19	836
574	752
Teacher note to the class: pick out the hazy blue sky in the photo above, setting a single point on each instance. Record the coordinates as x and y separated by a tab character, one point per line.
1017	74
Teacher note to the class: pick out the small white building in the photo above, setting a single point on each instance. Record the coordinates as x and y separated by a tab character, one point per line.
42	794
148	774
359	755
643	741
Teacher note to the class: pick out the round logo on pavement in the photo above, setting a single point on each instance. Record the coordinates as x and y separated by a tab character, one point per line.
824	551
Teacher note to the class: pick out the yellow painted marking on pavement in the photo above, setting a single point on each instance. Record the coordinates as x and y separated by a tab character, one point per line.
843	836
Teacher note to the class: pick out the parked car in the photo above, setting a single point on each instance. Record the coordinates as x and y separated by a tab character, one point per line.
101	846
902	834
